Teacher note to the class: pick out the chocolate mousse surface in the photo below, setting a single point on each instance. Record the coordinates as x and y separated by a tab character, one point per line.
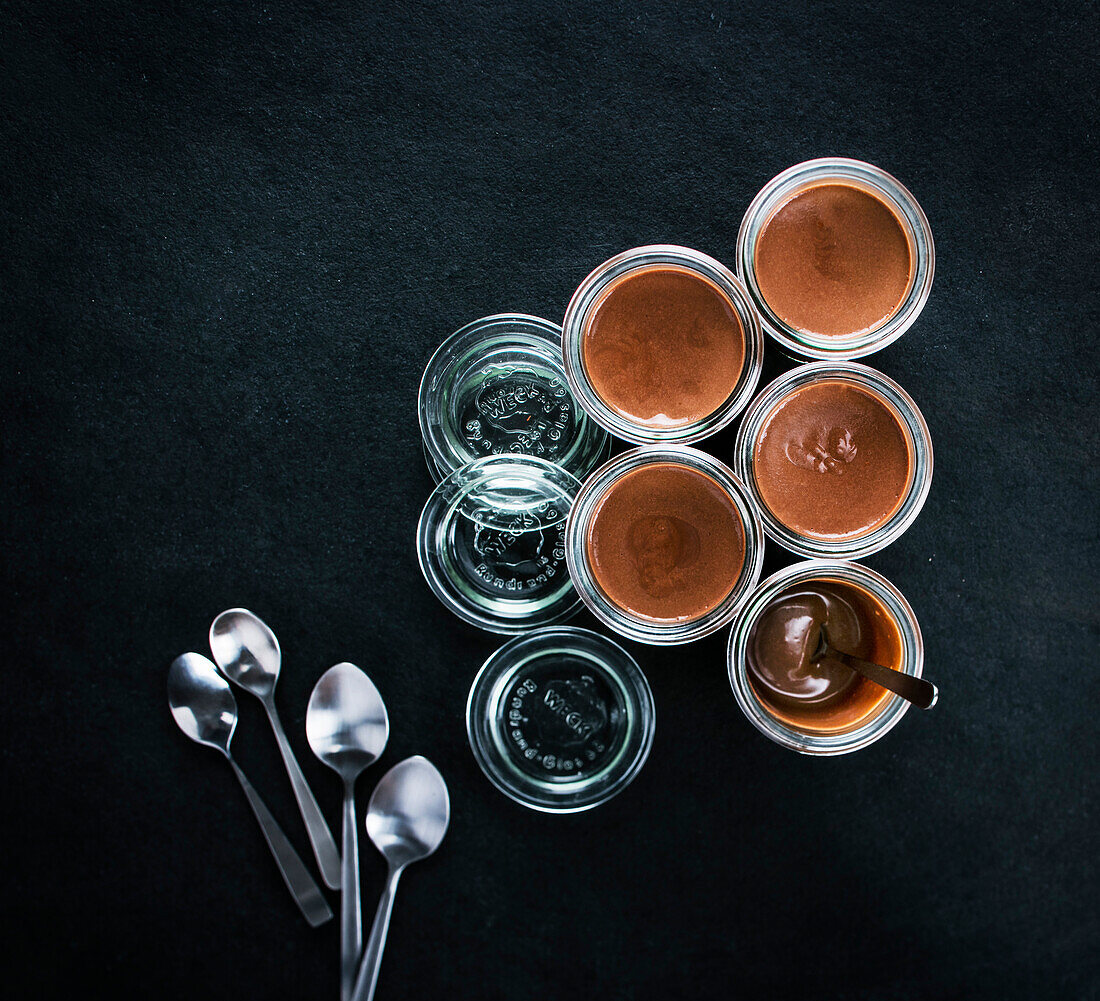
666	542
664	347
832	460
821	695
834	260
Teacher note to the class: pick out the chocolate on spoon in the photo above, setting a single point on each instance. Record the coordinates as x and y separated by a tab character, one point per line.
919	692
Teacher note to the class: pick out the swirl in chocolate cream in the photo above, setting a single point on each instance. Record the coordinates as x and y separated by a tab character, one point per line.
834	260
666	542
832	461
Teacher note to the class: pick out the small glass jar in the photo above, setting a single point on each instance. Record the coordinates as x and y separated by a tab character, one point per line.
497	386
643	628
886	713
896	401
491	543
592	292
561	719
870	179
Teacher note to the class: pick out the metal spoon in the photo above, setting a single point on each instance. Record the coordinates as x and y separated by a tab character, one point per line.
406	819
347	727
921	693
248	653
206	711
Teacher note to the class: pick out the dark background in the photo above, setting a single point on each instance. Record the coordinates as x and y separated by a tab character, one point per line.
233	236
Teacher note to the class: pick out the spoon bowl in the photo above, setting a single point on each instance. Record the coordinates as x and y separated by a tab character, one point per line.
246	650
201	701
346	721
409	812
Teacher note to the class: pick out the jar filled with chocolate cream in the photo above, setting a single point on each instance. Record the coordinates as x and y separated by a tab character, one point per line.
811	703
838	258
837	458
663	544
662	344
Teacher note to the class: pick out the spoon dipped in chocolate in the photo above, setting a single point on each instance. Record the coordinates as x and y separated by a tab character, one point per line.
923	694
824	656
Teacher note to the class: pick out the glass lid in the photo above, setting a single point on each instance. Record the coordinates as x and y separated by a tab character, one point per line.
497	386
560	720
491	543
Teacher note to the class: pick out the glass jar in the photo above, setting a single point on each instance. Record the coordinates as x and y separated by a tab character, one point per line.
897	402
592	292
643	628
885	714
896	197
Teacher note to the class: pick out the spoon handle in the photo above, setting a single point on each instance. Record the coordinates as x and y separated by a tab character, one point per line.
351	920
921	693
305	891
372	954
324	848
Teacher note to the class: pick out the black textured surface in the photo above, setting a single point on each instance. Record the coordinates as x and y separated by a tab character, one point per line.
233	235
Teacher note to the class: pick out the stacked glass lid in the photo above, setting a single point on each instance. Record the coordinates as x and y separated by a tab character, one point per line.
497	386
508	446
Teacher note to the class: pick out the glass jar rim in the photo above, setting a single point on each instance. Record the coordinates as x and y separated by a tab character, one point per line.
918	230
489	688
538	338
634	627
496	493
912	422
881	720
588	294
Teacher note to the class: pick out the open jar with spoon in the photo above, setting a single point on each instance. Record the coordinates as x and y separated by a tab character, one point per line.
787	682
